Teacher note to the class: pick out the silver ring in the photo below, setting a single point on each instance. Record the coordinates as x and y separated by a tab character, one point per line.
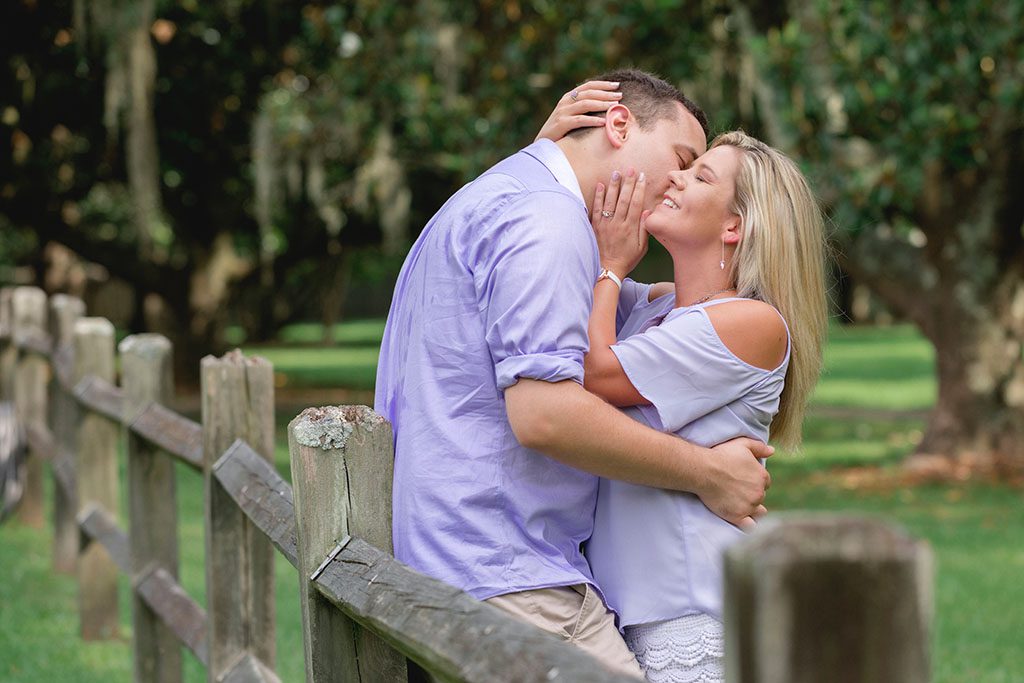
574	94
607	214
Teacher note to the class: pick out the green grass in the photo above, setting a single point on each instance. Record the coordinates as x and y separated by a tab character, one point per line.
881	368
977	535
39	622
353	332
300	364
852	441
316	366
976	531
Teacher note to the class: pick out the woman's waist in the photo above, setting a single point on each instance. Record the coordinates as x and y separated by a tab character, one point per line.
657	554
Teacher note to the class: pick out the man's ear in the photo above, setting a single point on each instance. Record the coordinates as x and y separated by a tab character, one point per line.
617	123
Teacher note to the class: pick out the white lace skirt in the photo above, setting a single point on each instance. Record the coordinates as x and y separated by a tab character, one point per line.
684	650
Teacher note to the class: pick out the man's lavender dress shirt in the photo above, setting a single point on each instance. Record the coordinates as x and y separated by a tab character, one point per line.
498	287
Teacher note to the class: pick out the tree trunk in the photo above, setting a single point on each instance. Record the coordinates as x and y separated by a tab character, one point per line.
977	424
143	159
334	288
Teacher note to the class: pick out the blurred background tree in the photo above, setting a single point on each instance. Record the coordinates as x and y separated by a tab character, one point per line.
255	162
911	118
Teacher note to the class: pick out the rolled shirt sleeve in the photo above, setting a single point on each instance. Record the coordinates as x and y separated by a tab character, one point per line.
684	369
536	289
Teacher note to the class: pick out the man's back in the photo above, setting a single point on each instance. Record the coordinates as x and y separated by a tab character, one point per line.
496	288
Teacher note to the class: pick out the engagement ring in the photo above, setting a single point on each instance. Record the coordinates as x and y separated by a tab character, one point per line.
574	94
607	214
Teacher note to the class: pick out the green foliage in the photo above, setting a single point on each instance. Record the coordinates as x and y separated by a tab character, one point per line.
460	85
16	246
463	84
884	95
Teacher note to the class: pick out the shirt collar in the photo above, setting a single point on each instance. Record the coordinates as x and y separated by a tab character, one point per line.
551	155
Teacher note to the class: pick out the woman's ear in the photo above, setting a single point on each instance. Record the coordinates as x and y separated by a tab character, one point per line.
617	122
733	230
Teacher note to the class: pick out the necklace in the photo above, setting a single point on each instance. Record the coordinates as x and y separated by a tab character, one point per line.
704	299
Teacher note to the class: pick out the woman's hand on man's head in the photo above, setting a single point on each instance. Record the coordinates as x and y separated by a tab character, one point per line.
581	107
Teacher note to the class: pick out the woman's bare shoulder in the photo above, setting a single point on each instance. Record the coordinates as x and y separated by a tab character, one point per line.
752	330
659	289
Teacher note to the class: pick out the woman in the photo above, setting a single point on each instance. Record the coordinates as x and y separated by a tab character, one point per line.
731	348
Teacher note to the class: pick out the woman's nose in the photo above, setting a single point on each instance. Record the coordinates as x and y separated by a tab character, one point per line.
677	178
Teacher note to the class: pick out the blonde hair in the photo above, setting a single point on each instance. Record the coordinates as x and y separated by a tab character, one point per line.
781	260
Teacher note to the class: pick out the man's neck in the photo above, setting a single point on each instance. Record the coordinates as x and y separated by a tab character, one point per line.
586	167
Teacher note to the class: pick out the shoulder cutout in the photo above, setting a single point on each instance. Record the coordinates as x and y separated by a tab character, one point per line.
659	289
752	330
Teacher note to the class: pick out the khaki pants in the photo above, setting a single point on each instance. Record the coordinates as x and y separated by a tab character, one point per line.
576	614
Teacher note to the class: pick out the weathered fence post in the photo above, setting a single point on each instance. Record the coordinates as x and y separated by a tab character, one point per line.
828	598
342	461
238	403
8	352
152	507
96	469
28	312
64	312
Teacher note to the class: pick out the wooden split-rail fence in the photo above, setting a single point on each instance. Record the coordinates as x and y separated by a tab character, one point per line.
810	599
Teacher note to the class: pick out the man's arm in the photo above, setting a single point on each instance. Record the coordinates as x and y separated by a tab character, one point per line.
565	422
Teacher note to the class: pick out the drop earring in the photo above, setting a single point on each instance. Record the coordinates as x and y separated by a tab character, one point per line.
721	264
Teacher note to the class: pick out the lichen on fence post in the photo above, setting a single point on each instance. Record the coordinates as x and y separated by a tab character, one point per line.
342	460
96	468
64	312
152	507
828	598
28	314
238	403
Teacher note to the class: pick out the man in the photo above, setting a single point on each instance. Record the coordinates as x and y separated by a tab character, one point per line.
497	443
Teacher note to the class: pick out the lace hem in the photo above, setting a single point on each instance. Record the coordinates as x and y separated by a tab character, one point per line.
684	650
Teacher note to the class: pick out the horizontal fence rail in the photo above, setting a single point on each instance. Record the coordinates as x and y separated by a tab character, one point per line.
444	629
100	396
171	432
261	493
792	587
100	526
182	615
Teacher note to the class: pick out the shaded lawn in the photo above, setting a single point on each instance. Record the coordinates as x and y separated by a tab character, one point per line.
976	531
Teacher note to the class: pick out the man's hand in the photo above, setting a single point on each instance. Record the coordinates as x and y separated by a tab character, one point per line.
737	482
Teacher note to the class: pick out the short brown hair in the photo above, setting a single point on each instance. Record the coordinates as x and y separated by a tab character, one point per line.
649	98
